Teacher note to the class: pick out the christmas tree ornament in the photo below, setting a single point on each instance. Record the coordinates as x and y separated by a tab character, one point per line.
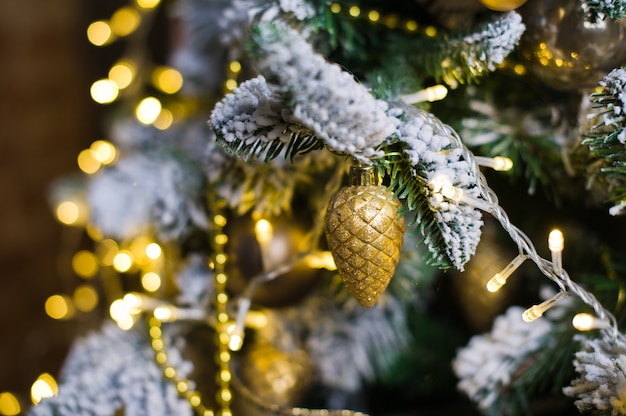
565	50
365	234
274	376
502	5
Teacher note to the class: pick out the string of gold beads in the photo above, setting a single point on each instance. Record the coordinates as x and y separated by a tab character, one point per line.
390	21
232	73
223	356
183	385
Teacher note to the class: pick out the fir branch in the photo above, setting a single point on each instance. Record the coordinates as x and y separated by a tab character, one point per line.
530	137
601	385
150	192
605	135
253	123
504	369
111	370
325	99
596	10
412	190
462	58
425	151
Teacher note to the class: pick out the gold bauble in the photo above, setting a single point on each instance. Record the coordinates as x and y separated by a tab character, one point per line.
365	235
276	377
502	5
566	51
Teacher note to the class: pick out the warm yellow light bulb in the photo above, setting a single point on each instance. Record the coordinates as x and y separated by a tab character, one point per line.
104	151
123	261
536	311
435	93
167	79
165	119
153	251
234	67
106	251
151	281
235	342
165	313
122	73
148	110
104	91
84	264
88	161
45	386
9	404
85	298
499	279
125	21
555	240
583	321
99	33
121	314
587	322
69	213
148	4
59	307
264	231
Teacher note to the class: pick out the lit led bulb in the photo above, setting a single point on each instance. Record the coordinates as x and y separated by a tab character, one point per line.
435	93
499	279
536	311
498	163
555	244
587	322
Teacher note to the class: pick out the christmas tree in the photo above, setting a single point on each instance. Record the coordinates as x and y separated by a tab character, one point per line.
314	208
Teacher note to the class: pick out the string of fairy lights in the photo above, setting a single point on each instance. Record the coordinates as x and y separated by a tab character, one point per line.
145	258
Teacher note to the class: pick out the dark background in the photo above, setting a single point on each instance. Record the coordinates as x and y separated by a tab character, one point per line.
46	118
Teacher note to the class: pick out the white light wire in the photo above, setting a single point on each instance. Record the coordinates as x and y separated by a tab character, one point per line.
524	243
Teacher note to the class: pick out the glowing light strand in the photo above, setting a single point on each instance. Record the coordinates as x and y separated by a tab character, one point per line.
525	245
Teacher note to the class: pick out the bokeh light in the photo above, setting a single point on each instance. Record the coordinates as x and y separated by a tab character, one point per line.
104	151
122	73
45	386
125	21
151	281
84	264
148	110
99	33
59	307
9	404
88	162
104	91
85	298
167	79
123	261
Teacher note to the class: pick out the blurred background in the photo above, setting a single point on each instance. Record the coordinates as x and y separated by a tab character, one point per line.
46	118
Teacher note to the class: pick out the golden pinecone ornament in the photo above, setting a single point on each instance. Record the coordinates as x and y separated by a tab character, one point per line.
365	234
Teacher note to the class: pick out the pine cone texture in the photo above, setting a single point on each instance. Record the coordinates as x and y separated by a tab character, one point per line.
365	236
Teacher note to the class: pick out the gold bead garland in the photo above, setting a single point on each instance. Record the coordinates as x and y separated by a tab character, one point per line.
224	375
170	373
391	21
223	356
